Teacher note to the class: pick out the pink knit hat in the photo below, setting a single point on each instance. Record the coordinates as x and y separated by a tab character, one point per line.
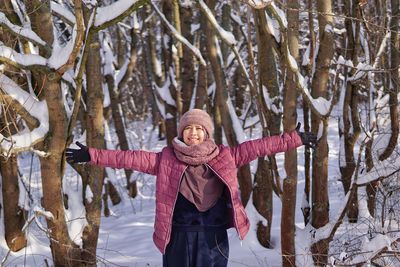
196	116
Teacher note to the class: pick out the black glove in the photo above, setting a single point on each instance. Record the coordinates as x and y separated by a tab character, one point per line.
77	155
308	139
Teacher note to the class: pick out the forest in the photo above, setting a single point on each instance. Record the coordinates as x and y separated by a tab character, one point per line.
79	69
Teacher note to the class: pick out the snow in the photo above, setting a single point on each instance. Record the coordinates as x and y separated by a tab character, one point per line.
320	104
24	140
281	14
273	27
371	248
226	35
40	211
108	59
60	55
165	93
121	72
270	102
292	61
21	31
89	194
108	13
75	215
237	127
63	12
362	68
21	59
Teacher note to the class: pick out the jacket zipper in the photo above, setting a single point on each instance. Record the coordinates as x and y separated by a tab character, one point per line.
233	205
173	209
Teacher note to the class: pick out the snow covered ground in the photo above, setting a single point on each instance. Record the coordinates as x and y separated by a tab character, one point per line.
126	236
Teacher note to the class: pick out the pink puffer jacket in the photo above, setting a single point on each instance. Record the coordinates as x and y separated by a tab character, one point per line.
169	171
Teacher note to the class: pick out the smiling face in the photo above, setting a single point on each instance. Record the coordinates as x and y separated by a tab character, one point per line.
193	134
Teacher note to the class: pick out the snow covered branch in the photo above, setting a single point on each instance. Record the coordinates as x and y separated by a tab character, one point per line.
179	37
63	13
21	61
226	36
116	12
23	33
258	4
26	139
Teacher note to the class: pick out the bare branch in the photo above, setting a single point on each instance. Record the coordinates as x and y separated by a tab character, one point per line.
80	31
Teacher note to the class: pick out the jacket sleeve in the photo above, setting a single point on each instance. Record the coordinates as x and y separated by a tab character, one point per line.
250	150
138	160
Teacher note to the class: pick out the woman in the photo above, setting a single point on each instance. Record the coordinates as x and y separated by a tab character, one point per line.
197	194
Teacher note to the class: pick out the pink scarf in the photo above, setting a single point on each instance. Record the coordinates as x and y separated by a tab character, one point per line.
197	154
199	184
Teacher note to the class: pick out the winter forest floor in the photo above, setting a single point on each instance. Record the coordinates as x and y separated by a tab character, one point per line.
125	237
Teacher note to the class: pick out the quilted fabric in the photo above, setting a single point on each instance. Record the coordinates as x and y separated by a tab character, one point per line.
169	171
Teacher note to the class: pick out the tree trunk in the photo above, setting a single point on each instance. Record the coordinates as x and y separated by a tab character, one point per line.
226	25
172	75
63	249
262	201
320	200
306	210
188	72
221	99
289	124
264	178
94	138
202	99
149	73
14	216
351	121
269	80
239	85
394	80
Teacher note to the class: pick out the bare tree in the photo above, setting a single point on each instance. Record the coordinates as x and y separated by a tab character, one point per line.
351	122
394	80
289	123
320	200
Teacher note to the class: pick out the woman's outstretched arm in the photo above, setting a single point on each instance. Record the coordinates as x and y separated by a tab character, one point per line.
138	160
250	150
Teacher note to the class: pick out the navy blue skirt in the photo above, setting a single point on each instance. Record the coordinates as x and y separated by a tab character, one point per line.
198	239
197	249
